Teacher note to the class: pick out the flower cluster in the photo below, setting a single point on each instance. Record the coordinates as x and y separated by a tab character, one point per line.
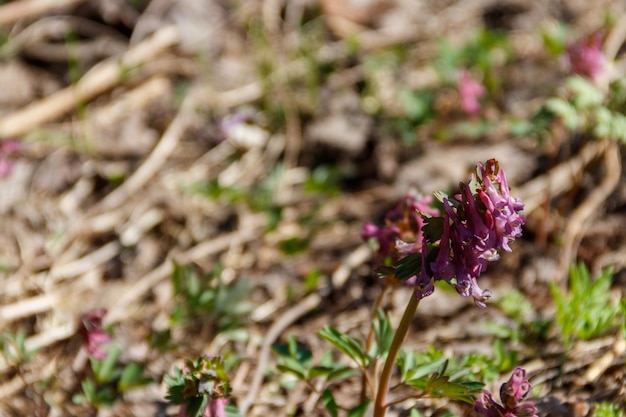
511	393
482	218
402	233
470	91
202	387
585	57
93	332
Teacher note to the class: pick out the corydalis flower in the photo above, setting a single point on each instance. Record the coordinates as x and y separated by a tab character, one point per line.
470	91
402	233
586	58
482	218
201	387
93	332
511	393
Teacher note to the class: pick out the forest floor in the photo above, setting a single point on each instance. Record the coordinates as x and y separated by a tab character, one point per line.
247	142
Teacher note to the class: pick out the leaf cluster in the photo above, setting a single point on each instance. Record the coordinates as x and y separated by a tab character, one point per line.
588	309
428	374
435	376
296	359
586	108
13	346
605	409
109	379
208	299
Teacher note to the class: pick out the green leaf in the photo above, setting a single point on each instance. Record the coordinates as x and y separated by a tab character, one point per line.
299	352
290	366
555	39
416	375
359	410
89	392
418	105
433	228
406	362
332	373
132	377
105	370
293	357
342	372
586	95
384	332
294	245
415	413
349	345
105	397
232	411
329	402
565	111
196	406
409	266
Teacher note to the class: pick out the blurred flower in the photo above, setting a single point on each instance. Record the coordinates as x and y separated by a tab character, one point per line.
470	91
511	393
585	57
402	233
479	220
385	238
94	334
7	148
201	387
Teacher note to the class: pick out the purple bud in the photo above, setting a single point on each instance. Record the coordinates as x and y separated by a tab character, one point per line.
94	334
511	393
470	91
585	57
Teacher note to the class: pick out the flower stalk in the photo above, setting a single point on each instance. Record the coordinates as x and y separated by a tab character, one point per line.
454	246
380	405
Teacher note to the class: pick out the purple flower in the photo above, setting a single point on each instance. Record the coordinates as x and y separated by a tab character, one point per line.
511	393
94	334
385	238
402	233
7	149
204	378
470	91
585	57
479	220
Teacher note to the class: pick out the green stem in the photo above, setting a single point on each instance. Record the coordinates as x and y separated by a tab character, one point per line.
380	405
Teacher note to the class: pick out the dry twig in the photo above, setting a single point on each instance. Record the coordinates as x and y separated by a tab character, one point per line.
98	80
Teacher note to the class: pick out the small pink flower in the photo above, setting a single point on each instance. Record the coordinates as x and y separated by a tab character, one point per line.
402	233
470	91
94	334
7	148
482	218
511	393
585	57
6	165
